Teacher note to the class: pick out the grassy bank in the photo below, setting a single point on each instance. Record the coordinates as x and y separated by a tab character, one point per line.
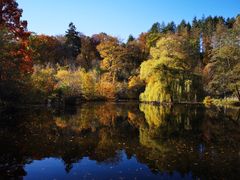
221	102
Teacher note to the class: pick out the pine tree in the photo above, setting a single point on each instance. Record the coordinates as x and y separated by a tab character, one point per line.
73	43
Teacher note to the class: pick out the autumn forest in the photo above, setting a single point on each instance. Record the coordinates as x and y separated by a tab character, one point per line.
170	63
163	103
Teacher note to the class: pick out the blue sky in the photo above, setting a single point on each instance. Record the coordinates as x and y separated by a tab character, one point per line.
117	17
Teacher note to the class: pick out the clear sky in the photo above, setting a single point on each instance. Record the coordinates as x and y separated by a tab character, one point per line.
117	17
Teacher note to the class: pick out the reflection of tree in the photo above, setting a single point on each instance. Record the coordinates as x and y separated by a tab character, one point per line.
166	122
166	140
170	121
171	137
92	116
220	125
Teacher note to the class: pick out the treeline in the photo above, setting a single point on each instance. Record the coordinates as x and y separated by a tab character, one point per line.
169	63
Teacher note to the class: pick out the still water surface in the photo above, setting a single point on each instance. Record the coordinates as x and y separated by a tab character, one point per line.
120	141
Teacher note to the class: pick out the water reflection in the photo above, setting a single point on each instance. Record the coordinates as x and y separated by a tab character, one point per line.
123	140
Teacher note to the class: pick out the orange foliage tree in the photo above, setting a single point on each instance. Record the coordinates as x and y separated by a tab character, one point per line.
15	54
46	50
11	23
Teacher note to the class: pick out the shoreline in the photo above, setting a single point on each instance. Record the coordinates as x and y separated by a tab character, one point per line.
154	103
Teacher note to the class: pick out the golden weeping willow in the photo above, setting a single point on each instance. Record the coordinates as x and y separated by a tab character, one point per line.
167	74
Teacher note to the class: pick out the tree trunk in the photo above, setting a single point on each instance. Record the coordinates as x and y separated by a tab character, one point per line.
238	93
1	14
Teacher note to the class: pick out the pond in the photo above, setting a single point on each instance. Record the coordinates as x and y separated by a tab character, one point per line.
120	141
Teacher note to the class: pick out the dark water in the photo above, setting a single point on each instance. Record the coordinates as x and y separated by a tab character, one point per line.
120	141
